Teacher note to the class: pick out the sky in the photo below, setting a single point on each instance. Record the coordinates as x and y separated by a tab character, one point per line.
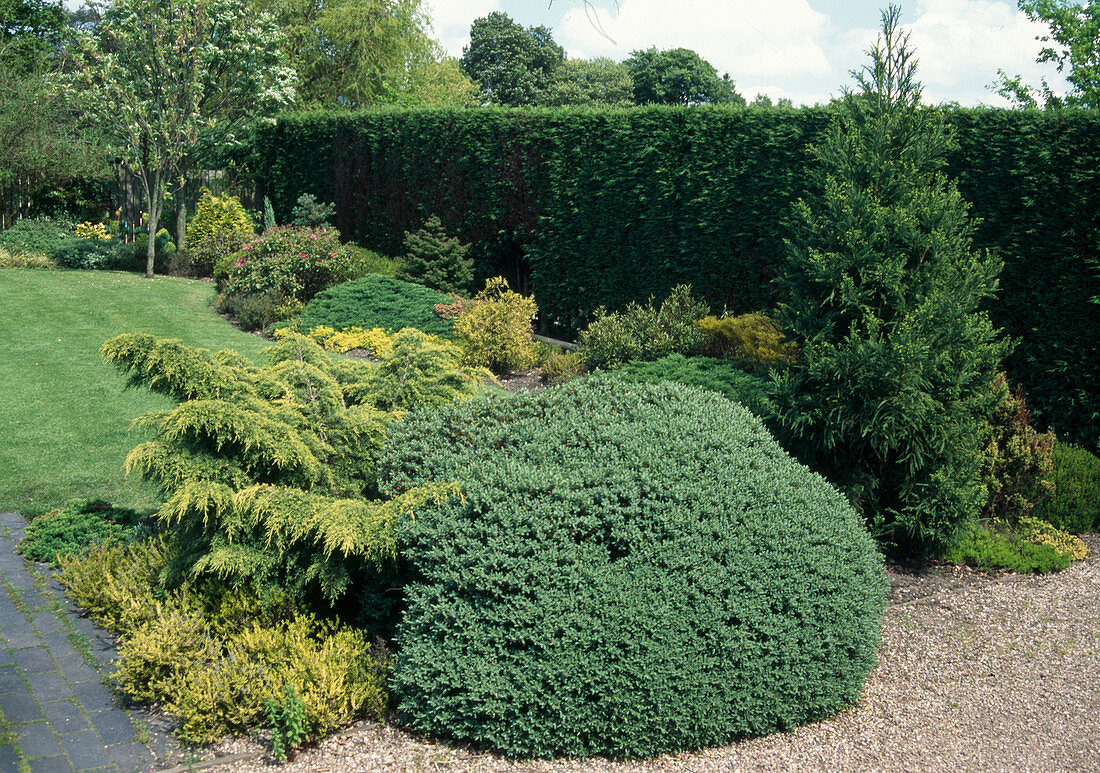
802	50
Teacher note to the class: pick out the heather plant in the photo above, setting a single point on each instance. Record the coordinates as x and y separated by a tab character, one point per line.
436	260
1075	503
75	528
1028	546
494	329
634	569
753	340
213	658
644	332
1017	460
560	367
268	472
884	293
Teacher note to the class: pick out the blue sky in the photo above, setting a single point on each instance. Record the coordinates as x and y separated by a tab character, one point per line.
799	49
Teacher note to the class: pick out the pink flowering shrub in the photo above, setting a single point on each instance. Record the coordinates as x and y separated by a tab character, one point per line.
294	262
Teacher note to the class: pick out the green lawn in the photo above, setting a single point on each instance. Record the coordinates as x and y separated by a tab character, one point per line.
64	414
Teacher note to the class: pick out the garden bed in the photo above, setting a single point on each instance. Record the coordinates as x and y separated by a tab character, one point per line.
975	672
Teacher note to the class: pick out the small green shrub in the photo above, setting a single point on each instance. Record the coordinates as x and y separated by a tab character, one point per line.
1016	460
1075	503
494	329
716	375
436	260
634	569
644	332
311	213
75	528
41	236
94	254
215	216
258	312
561	366
994	544
364	261
287	719
377	301
296	262
753	340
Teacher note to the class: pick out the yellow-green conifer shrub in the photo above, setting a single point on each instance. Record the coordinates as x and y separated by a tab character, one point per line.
268	472
376	341
753	339
216	216
494	329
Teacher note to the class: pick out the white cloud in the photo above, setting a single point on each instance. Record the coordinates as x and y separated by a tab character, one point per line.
961	44
451	20
788	48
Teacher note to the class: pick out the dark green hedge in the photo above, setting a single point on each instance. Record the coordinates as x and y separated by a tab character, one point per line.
586	207
635	569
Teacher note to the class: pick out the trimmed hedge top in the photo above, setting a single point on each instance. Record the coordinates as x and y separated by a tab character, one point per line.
635	569
377	301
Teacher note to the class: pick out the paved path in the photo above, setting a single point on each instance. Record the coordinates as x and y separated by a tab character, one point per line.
58	714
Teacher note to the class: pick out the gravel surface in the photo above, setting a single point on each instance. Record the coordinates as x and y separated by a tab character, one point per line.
975	673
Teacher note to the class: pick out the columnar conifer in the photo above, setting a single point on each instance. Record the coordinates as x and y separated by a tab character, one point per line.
884	292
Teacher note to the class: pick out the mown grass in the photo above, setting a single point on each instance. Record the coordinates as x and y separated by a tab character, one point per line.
65	414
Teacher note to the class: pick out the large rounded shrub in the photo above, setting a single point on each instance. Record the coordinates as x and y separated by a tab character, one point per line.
634	569
377	301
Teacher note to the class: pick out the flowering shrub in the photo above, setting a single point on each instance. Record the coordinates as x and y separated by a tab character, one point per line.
296	262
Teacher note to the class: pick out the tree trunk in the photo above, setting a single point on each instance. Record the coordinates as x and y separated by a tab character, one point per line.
181	217
151	225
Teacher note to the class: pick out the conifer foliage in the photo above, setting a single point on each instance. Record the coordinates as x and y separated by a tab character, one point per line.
436	260
269	471
883	291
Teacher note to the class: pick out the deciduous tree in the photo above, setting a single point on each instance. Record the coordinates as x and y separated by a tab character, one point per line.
512	65
678	76
163	77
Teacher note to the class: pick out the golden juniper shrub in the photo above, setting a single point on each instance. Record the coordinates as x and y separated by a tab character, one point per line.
753	339
1042	533
268	473
563	366
216	216
494	329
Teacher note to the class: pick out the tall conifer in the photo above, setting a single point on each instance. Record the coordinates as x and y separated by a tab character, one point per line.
884	292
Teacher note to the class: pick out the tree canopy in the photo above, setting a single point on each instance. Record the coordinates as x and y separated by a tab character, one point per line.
593	82
678	76
511	65
1073	45
161	77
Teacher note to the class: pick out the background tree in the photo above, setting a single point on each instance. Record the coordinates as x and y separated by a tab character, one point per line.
678	76
884	292
31	30
352	53
596	82
511	65
162	77
1075	49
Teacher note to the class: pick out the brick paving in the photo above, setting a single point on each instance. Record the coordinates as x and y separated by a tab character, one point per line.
58	713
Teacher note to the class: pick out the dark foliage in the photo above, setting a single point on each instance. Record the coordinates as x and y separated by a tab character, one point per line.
634	569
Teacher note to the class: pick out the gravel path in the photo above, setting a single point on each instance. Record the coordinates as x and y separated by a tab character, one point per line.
975	674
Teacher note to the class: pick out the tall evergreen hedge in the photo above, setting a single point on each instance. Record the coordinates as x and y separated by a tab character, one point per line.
588	207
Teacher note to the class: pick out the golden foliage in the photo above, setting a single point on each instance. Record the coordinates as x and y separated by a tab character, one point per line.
494	329
751	338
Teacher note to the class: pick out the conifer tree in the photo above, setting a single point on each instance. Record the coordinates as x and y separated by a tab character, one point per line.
884	291
436	260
